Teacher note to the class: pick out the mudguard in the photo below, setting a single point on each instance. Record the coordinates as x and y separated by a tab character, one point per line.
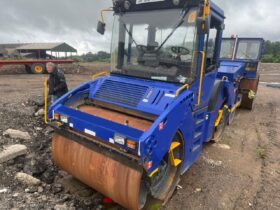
155	143
216	92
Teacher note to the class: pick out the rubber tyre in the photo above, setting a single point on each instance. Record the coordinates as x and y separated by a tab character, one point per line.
219	130
28	69
38	68
163	188
246	102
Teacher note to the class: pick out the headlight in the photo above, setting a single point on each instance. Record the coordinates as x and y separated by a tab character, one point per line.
64	119
119	139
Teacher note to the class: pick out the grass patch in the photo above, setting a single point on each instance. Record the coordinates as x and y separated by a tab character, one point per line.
262	152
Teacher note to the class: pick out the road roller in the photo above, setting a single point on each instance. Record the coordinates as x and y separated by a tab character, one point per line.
174	84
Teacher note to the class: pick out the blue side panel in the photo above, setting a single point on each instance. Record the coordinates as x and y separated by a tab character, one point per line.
217	10
72	95
188	134
156	141
250	74
194	136
103	128
231	70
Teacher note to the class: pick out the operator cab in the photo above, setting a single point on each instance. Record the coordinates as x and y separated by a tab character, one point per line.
243	50
161	40
156	45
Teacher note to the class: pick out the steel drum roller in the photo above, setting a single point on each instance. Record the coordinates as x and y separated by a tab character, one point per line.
106	175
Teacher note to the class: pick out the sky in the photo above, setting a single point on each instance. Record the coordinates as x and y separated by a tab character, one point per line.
74	21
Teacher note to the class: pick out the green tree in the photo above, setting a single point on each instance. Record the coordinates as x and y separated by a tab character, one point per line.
271	52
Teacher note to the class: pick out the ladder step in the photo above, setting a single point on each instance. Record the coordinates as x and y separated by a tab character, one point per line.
197	134
199	121
196	147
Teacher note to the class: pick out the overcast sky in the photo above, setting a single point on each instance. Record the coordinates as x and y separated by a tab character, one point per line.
74	21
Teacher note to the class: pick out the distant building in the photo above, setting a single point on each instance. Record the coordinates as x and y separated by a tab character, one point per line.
37	50
9	50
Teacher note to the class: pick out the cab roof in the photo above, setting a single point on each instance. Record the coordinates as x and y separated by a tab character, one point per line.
148	5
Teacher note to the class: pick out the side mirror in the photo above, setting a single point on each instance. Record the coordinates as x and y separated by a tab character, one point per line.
101	27
203	25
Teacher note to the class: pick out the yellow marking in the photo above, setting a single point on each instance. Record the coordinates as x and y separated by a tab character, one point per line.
174	145
181	88
174	162
218	120
110	9
153	173
235	106
46	100
103	73
207	8
201	77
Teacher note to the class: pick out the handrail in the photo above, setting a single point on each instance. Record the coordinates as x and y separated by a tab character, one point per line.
182	88
234	107
46	100
207	8
103	73
110	9
201	77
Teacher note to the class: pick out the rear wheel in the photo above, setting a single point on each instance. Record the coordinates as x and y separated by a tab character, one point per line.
163	183
220	124
28	69
38	68
249	87
247	103
231	117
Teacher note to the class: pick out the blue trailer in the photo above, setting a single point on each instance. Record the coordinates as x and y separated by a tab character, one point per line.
174	85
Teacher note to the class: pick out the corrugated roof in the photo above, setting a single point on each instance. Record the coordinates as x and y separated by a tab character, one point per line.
4	46
56	47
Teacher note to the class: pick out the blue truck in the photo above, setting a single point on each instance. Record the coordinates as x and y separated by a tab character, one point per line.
174	84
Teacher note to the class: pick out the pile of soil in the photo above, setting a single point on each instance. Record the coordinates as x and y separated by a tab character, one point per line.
54	191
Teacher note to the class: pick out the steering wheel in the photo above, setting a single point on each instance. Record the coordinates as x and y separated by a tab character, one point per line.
180	50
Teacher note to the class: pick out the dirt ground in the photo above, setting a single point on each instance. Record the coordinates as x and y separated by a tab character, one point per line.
245	175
